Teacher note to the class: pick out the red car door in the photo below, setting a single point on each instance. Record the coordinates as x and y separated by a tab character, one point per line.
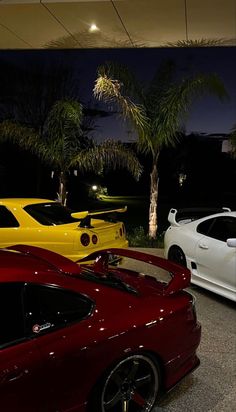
60	318
21	383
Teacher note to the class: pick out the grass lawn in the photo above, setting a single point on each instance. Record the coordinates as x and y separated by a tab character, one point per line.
135	219
137	209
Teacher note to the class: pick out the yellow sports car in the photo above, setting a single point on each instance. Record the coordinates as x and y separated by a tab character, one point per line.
48	224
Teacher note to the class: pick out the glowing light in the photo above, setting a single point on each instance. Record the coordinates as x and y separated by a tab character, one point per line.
93	27
94	187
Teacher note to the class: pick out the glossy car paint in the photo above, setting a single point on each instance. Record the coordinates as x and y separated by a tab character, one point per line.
58	370
63	238
211	261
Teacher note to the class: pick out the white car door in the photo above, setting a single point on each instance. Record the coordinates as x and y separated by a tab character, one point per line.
216	262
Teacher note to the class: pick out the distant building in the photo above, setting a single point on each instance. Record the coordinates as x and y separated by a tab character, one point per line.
223	138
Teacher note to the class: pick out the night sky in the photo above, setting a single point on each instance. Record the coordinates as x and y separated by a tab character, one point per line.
207	115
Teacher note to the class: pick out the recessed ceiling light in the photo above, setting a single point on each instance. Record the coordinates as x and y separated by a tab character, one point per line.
93	27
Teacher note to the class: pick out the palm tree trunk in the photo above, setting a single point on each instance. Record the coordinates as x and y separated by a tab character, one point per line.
62	193
153	201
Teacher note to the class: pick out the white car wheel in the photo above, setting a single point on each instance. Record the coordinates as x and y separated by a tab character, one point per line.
177	255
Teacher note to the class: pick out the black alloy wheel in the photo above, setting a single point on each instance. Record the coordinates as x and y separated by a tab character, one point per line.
131	386
177	255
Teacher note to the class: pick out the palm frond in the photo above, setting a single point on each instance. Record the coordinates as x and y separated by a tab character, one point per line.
64	116
61	135
26	138
109	89
202	43
176	102
23	136
62	131
86	39
128	82
110	155
160	82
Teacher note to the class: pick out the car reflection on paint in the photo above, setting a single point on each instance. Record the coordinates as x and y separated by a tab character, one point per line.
91	337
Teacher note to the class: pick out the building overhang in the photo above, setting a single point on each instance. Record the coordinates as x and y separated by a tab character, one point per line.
46	24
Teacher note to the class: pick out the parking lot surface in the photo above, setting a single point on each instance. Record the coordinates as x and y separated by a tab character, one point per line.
212	387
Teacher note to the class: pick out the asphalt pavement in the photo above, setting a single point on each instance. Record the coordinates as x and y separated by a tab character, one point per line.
211	387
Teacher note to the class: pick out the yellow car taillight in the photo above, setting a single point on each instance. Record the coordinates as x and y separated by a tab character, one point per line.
85	239
94	239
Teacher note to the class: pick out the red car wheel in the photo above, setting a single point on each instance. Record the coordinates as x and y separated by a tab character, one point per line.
131	386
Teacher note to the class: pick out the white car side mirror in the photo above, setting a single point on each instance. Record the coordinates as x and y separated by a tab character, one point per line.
231	242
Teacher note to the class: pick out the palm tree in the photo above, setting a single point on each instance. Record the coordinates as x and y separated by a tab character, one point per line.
156	112
233	140
28	94
63	146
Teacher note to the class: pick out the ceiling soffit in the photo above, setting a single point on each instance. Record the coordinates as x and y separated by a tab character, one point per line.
36	24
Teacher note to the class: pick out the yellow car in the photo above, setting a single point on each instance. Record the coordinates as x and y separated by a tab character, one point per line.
48	224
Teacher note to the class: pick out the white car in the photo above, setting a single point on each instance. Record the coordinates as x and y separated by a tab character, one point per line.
207	246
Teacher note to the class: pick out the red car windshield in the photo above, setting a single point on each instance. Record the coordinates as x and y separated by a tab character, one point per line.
109	280
50	214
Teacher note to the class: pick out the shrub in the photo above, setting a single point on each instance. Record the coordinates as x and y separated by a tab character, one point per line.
139	238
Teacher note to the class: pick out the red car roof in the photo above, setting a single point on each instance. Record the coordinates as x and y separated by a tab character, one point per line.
33	260
16	263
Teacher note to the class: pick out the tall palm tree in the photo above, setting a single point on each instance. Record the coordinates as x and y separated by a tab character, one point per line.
156	112
63	146
28	94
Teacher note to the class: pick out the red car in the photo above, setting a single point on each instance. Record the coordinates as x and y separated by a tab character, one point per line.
91	337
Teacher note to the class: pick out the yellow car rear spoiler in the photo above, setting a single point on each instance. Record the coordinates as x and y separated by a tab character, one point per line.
86	216
82	215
